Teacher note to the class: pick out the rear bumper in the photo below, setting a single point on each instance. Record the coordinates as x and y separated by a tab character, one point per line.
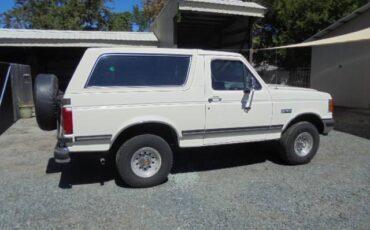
328	125
61	151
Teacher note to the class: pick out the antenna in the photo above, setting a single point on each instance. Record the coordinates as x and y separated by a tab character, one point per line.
277	70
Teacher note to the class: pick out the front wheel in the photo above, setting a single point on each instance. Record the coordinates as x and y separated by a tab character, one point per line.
144	161
299	143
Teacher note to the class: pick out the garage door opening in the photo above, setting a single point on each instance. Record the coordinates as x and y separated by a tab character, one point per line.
203	24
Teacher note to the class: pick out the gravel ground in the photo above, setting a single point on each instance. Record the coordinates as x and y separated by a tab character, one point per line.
235	187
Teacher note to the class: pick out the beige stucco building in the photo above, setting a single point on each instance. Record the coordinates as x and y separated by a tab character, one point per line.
343	70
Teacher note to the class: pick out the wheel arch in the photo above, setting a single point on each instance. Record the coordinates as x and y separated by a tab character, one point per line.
313	118
155	127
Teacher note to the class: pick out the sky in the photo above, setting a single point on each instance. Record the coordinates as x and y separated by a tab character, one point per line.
116	5
121	5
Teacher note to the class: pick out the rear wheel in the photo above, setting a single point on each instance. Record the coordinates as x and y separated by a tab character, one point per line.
299	143
144	161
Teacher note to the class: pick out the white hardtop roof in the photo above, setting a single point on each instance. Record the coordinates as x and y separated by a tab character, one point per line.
340	22
66	38
117	50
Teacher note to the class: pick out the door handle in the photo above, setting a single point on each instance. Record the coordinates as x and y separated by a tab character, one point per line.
214	99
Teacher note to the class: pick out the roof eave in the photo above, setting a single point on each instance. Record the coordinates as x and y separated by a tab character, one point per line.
339	23
215	7
72	43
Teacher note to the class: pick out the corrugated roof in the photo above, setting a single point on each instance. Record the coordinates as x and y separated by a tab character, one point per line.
340	22
73	38
234	7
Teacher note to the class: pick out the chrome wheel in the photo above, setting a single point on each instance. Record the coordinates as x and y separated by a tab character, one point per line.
303	144
146	162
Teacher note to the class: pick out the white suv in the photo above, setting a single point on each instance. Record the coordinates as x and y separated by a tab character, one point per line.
139	103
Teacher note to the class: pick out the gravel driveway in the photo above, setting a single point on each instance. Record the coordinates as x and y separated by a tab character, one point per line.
235	187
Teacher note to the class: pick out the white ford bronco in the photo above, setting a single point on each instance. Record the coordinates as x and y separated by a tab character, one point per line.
140	103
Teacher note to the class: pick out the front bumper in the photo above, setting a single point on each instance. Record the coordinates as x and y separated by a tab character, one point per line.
328	125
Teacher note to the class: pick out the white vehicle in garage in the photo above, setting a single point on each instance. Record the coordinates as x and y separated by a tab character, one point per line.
139	103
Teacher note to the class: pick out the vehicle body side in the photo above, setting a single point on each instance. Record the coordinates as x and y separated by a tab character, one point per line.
102	114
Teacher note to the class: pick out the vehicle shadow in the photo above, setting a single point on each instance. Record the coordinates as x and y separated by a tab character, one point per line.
86	168
352	121
227	156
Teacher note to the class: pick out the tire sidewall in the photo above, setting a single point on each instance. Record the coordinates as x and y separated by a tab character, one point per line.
292	134
46	89
126	151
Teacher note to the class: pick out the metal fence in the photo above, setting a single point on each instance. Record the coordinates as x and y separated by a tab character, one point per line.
299	77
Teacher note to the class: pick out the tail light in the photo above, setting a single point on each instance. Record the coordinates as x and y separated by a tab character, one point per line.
331	105
67	120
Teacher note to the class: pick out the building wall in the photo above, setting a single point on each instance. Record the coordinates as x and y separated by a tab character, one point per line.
343	71
163	27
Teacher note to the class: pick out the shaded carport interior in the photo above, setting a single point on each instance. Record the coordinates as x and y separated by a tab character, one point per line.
213	31
217	25
59	52
59	61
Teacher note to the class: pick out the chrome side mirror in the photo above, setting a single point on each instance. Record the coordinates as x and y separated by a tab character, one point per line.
248	104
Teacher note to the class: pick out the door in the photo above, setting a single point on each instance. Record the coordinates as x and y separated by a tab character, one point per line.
228	120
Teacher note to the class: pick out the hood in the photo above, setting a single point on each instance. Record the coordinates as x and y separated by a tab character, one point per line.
286	87
284	92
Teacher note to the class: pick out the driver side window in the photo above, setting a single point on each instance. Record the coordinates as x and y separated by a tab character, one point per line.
232	75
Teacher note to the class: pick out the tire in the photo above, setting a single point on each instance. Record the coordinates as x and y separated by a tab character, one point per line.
295	143
128	161
46	89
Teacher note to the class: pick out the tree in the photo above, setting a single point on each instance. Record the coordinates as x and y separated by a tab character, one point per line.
139	19
120	21
151	8
65	15
294	21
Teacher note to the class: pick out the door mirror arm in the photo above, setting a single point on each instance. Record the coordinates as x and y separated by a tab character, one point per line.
248	104
247	90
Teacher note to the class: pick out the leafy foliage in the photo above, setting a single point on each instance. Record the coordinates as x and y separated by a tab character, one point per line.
293	21
151	8
65	15
120	22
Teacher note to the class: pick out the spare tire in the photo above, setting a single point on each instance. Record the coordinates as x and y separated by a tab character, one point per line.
46	90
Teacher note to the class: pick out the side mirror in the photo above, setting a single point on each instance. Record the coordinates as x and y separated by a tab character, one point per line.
248	104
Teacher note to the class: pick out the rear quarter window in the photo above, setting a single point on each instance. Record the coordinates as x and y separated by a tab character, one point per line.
140	70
